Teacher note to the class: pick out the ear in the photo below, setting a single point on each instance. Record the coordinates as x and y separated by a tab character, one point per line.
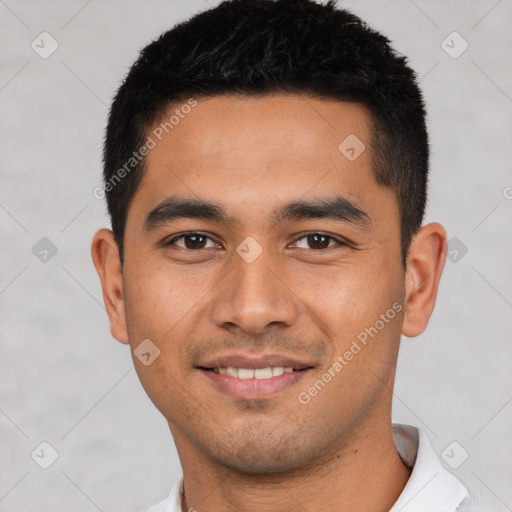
105	255
425	262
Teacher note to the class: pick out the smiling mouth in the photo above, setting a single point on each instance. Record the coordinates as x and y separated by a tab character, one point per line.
257	373
253	383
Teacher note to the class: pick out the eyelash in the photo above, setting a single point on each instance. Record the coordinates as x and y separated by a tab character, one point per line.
192	233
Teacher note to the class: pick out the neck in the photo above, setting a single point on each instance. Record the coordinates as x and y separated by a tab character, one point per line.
365	473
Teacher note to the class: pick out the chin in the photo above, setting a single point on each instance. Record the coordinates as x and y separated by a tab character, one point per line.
276	453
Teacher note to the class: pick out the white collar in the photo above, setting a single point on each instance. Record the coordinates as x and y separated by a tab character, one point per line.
430	487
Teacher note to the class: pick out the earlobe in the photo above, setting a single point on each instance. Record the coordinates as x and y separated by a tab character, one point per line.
105	255
425	263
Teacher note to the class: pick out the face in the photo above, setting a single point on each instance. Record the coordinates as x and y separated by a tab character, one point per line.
288	263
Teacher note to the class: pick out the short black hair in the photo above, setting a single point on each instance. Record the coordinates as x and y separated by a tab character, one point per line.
259	47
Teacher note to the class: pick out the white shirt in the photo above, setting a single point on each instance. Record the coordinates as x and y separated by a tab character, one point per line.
430	487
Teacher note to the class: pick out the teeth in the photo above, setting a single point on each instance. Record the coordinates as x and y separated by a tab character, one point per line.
263	373
232	372
245	373
259	373
278	370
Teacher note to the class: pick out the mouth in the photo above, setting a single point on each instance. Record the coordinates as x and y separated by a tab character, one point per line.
253	383
254	373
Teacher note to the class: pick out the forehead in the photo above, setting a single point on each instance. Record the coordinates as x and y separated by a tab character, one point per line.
274	127
255	152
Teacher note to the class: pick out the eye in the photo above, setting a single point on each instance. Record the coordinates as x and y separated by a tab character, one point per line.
197	241
319	241
192	241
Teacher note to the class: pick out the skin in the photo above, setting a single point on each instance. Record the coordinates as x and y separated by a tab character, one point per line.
253	154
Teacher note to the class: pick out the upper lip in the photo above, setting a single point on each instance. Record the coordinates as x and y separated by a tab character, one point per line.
254	361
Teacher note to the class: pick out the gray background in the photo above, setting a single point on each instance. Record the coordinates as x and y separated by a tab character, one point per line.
65	380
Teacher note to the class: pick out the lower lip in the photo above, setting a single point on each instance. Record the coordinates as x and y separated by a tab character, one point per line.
254	388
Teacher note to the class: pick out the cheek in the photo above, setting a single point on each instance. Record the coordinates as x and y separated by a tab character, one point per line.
159	300
165	387
158	307
360	309
349	297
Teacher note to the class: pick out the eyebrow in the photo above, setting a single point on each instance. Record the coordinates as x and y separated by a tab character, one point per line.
336	208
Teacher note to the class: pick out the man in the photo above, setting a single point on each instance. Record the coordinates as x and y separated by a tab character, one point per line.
265	170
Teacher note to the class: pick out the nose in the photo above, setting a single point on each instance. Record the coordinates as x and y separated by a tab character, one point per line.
254	297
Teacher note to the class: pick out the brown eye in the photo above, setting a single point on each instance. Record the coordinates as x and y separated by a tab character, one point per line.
318	241
192	241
